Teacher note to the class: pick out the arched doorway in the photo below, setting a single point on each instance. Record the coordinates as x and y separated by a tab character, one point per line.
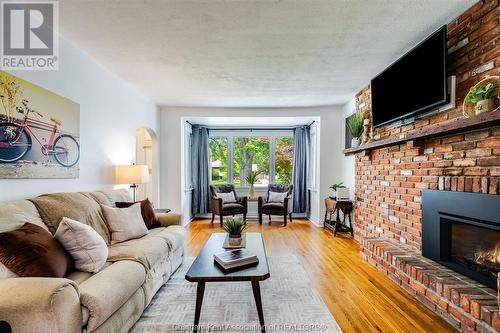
147	154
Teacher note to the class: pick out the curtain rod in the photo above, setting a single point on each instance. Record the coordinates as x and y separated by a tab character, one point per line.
252	129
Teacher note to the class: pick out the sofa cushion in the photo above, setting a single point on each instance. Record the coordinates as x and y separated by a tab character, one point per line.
32	251
77	206
174	234
147	212
84	244
105	292
124	223
15	214
147	250
115	195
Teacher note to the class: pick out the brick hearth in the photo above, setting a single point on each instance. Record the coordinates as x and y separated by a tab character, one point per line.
464	303
389	182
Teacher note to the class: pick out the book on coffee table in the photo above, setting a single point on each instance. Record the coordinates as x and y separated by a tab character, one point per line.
235	258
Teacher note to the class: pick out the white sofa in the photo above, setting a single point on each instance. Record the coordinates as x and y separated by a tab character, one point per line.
111	300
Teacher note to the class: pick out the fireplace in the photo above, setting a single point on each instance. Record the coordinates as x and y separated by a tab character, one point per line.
462	231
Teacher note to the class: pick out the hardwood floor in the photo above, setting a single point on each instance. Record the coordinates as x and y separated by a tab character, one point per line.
360	298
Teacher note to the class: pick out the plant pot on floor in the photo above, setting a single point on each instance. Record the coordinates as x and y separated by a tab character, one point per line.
235	240
354	142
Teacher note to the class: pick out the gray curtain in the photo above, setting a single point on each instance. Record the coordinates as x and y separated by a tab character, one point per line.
302	138
200	164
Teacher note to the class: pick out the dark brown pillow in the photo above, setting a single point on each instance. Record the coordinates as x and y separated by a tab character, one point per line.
147	212
32	251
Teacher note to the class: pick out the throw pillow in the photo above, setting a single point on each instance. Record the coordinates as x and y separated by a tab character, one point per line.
31	251
226	197
147	212
124	223
277	196
84	244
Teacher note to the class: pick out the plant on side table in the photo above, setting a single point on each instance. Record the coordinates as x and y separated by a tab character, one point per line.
335	187
355	127
234	228
251	178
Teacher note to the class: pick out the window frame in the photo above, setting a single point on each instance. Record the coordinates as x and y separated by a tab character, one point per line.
231	134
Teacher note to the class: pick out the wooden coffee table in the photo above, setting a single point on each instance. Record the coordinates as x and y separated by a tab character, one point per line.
204	269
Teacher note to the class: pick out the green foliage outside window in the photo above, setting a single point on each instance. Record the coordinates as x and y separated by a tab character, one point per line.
251	154
284	160
218	155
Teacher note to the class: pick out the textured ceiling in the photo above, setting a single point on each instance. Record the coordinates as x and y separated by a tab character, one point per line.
250	53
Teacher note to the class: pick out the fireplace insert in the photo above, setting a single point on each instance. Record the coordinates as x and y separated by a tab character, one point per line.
462	231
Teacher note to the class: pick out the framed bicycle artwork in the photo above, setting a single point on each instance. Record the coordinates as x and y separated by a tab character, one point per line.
39	131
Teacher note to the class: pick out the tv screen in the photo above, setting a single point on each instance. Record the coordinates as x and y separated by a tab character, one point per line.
414	84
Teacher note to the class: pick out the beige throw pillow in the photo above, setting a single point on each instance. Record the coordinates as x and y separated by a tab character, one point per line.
124	223
277	196
226	197
87	248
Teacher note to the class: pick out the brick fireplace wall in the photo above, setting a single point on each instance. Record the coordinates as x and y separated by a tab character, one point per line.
389	182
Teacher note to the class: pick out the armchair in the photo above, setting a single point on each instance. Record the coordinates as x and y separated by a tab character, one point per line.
222	209
276	208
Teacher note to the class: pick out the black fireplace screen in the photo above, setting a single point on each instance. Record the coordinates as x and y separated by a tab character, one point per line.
475	248
462	231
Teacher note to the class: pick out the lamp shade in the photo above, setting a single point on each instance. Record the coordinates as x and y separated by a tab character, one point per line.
131	174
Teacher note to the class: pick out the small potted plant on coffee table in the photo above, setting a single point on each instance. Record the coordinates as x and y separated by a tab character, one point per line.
234	228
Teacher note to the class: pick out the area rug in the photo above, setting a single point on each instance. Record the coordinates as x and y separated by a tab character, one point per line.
290	303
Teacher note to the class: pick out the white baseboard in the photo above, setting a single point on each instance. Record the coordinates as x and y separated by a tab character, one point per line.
315	221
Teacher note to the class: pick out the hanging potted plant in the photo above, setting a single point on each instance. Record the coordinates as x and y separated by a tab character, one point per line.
355	127
252	178
234	228
484	97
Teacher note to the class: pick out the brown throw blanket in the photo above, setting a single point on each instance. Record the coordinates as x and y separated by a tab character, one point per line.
77	206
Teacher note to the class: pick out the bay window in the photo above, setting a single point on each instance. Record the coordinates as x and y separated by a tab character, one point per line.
234	154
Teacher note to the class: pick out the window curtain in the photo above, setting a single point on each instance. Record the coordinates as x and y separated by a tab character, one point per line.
200	164
302	138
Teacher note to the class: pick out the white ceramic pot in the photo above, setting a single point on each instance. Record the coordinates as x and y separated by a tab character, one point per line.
354	142
235	240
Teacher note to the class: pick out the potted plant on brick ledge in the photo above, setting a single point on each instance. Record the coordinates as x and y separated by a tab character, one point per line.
482	97
355	127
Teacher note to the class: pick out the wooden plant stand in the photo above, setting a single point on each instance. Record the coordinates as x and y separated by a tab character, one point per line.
344	206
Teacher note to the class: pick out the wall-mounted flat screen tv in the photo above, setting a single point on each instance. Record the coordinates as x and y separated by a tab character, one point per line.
413	85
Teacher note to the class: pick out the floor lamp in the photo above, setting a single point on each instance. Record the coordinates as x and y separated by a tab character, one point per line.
132	175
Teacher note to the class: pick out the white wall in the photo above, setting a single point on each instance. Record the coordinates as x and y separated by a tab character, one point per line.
348	162
110	112
330	146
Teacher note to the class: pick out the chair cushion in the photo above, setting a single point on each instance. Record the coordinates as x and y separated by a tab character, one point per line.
232	207
273	205
273	208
